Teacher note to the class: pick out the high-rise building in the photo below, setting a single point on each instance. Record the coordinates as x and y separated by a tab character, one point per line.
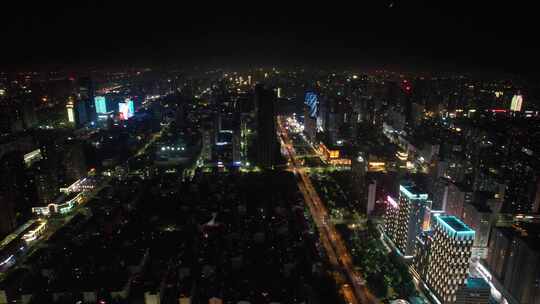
76	111
442	257
100	104
440	193
514	259
46	182
517	102
74	162
7	213
237	147
310	125
81	113
479	217
404	219
311	109
70	107
28	110
207	144
86	94
11	189
371	197
267	145
458	196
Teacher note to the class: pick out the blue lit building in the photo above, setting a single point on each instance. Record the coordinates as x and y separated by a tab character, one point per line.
101	104
442	257
131	107
404	220
312	101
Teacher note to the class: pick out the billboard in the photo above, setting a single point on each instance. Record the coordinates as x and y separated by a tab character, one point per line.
312	101
101	105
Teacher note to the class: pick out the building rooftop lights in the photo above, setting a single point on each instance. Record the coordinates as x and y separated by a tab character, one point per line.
408	192
455	226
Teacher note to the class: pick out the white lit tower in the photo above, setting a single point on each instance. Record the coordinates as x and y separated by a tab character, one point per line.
404	219
442	257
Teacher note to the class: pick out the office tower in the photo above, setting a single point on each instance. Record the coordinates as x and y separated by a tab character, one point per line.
46	182
522	186
207	143
28	110
86	94
458	196
7	214
514	260
76	111
74	162
406	89
310	125
46	172
311	109
517	102
391	218
267	145
11	189
100	104
10	118
80	113
479	217
404	219
440	193
237	147
371	197
474	291
442	256
70	107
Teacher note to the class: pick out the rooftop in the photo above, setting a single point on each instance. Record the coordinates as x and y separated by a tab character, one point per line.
412	192
455	226
454	223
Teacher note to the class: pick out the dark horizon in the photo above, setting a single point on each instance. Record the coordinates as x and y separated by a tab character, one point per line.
457	37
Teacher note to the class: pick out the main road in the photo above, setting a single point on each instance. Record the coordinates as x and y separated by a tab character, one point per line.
354	291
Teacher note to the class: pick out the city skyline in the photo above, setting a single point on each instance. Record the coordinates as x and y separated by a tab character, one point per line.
166	153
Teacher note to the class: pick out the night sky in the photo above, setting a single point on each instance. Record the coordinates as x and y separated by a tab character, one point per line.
449	35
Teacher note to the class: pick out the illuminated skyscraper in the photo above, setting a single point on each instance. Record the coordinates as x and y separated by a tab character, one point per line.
76	111
100	105
517	102
311	109
70	107
442	257
404	219
391	217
